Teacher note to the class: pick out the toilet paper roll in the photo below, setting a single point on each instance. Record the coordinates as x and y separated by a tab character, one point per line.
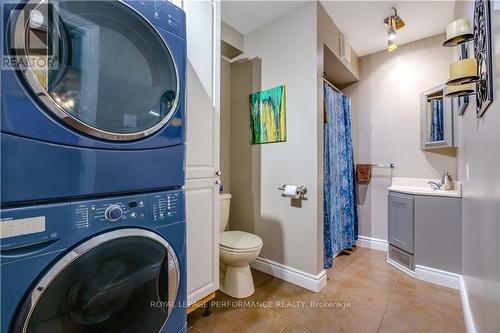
291	191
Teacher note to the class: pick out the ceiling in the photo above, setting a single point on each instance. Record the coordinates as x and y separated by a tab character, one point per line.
247	16
362	21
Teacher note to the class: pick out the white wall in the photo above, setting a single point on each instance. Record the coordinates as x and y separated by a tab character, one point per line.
286	50
386	123
480	148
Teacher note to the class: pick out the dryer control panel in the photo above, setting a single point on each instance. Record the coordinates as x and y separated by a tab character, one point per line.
147	210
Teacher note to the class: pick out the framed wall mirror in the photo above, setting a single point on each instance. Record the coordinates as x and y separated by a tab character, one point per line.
436	119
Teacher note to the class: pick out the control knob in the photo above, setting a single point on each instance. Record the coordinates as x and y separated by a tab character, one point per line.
113	213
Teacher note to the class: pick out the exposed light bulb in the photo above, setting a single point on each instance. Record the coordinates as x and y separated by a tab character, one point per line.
391	46
391	33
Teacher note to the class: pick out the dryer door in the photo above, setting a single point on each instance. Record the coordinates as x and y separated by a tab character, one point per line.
121	281
97	65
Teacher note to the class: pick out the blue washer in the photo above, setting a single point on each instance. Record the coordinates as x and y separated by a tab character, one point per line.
106	115
109	265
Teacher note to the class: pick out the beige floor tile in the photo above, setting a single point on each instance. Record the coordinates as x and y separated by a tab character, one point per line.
259	277
409	313
241	320
278	290
340	263
363	294
344	313
377	277
193	329
422	289
295	328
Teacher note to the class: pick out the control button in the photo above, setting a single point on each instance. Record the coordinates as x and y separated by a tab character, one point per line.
132	204
113	213
133	215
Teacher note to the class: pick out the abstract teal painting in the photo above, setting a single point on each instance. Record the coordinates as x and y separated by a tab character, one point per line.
268	116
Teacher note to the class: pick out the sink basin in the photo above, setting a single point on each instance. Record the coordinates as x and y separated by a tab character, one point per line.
420	186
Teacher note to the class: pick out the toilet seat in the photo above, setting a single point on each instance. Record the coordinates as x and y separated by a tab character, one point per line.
239	241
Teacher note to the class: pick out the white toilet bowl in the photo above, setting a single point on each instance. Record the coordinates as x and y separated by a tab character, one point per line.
237	249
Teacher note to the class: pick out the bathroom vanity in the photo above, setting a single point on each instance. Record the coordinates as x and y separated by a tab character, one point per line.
424	226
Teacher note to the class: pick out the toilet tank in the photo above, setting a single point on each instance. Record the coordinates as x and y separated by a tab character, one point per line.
225	200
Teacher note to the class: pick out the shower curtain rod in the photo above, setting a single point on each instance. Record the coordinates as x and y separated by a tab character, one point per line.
331	84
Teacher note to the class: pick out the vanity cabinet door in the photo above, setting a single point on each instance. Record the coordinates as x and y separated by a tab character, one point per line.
401	221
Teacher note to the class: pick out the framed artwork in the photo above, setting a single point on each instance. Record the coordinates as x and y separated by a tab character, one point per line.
268	116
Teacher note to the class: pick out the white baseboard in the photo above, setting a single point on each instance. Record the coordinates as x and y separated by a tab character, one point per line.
373	243
402	268
303	279
437	276
469	321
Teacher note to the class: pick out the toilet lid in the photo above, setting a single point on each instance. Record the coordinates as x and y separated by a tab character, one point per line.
239	240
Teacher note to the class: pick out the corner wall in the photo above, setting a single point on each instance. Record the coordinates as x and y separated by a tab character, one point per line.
480	149
285	53
225	124
386	123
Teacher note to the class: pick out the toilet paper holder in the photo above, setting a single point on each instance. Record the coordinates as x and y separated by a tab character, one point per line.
301	189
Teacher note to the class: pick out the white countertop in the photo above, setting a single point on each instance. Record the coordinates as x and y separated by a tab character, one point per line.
420	186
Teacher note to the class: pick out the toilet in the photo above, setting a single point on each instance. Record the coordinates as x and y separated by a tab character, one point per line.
237	249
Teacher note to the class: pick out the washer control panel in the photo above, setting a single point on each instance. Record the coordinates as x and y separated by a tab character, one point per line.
165	206
147	210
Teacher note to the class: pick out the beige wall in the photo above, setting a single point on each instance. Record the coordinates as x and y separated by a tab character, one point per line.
328	34
225	123
284	53
480	149
232	36
386	122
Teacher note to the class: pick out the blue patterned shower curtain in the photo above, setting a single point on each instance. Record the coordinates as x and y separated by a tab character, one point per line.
340	214
437	130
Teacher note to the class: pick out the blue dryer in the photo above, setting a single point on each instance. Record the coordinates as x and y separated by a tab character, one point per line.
108	265
92	99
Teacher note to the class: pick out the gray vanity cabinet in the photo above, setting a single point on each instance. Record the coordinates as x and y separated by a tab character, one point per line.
402	221
425	231
438	233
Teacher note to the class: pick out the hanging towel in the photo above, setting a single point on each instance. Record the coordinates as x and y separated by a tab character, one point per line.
363	173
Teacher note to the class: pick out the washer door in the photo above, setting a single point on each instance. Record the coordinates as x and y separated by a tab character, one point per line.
97	65
121	281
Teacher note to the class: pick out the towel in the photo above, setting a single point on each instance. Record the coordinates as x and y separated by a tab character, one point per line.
363	173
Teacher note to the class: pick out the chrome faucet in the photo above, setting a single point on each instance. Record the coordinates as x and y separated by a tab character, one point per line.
435	186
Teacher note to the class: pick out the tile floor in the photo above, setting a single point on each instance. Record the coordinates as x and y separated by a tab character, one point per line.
363	294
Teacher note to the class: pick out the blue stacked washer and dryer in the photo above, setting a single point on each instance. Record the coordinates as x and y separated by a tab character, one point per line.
93	157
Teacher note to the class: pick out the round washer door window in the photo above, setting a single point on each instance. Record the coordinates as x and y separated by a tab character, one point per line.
121	281
97	65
